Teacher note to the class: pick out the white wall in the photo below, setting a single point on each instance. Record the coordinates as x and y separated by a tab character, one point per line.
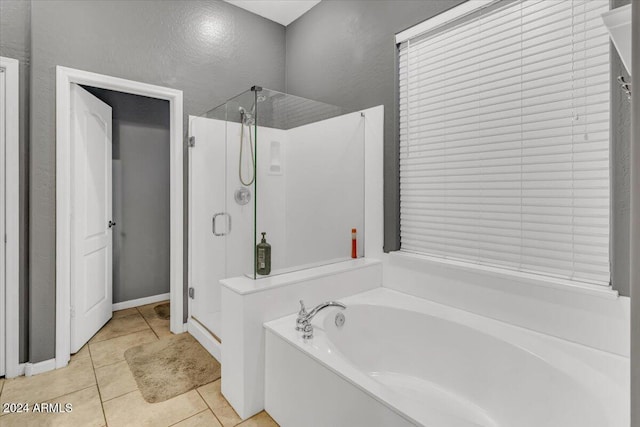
272	196
324	189
597	320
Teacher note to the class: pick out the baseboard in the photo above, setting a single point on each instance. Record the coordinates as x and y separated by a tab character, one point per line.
17	373
140	301
207	340
40	367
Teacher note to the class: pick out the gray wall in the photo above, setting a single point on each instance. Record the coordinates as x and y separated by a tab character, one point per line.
141	245
210	50
344	53
15	42
620	179
635	221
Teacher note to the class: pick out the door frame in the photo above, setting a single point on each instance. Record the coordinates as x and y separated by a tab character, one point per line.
64	78
12	219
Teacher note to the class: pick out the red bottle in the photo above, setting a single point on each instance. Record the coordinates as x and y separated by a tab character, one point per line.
354	243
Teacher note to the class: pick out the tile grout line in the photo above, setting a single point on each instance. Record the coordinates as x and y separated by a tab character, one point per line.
207	403
120	395
128	333
119	336
194	415
149	325
104	414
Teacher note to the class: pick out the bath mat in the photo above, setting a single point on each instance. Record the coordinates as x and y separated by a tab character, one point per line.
163	311
172	366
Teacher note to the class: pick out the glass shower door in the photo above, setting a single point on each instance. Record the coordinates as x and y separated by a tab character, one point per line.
209	222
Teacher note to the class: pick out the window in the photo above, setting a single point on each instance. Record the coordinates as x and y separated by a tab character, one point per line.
504	138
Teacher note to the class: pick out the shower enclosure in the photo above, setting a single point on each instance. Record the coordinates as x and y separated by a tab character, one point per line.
273	163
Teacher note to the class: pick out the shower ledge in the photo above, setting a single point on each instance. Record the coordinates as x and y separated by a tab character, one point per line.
244	285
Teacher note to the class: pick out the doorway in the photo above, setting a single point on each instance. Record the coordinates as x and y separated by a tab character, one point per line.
140	197
84	213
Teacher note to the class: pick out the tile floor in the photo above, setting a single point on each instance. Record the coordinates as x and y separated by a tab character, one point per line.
102	390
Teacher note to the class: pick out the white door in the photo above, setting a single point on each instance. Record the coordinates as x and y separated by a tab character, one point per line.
91	216
207	253
2	218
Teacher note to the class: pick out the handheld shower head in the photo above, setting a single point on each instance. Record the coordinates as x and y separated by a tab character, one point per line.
247	118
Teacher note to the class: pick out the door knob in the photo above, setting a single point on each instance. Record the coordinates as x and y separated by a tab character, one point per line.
112	224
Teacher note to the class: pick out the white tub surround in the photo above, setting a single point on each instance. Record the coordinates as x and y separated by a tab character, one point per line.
592	316
402	360
248	303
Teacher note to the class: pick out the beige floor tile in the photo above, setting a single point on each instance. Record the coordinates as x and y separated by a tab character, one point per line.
159	326
86	410
83	352
203	419
213	396
1	384
115	380
125	312
148	310
132	410
120	326
42	387
261	419
111	351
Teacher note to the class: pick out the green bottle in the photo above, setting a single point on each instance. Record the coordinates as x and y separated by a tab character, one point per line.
263	261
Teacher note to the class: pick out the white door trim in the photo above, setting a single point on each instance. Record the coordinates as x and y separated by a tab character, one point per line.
12	217
64	78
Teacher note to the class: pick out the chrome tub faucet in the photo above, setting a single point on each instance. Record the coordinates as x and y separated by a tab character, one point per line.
303	322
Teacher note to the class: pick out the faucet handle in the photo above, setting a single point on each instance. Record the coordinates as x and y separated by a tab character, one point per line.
307	331
302	317
303	309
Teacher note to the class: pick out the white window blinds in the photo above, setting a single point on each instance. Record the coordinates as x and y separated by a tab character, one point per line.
504	139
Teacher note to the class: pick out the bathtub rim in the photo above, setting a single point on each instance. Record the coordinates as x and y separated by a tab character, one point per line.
336	363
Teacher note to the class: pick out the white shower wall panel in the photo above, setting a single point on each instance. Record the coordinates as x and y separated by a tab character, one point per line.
270	195
324	189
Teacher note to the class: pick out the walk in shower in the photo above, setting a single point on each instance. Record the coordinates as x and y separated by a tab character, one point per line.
273	163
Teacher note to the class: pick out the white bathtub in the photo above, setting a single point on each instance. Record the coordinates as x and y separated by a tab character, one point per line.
400	360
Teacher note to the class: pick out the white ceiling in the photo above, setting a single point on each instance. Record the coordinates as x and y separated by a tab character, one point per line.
281	11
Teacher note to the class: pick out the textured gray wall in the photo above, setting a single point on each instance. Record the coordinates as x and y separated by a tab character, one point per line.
344	53
635	220
141	246
620	155
210	50
15	42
